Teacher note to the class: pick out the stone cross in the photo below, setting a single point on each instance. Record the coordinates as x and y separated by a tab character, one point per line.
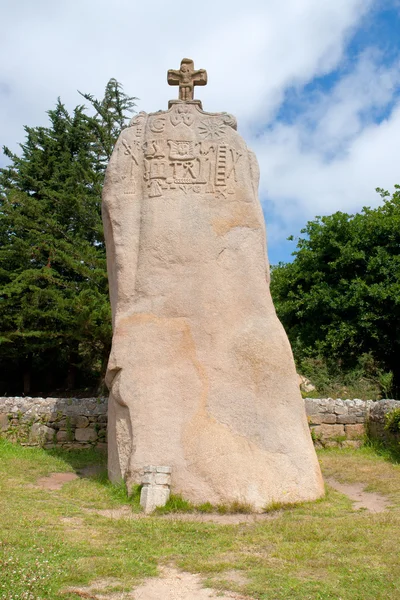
187	77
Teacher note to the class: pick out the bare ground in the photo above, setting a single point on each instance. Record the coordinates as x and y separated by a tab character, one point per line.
355	491
170	585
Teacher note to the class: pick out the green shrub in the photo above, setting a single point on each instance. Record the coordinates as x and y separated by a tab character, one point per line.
393	421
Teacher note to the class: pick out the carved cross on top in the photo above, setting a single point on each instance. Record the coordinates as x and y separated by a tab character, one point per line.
187	78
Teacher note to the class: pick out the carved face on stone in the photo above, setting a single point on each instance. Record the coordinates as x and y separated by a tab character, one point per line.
183	148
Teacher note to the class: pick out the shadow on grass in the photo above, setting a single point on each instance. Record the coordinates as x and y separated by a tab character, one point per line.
81	459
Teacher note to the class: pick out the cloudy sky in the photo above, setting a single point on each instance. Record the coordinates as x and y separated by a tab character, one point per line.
315	84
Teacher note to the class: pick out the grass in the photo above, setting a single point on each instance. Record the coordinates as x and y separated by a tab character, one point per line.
50	540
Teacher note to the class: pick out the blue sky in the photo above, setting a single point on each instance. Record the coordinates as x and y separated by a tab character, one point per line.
315	85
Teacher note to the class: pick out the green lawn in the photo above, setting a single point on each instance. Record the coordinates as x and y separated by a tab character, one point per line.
50	540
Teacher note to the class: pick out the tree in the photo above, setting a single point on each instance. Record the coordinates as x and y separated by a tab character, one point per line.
53	280
340	297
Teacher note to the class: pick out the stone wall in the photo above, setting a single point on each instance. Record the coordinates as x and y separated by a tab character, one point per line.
345	422
337	422
82	422
49	422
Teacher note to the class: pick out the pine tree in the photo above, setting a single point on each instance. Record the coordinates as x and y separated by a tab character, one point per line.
53	282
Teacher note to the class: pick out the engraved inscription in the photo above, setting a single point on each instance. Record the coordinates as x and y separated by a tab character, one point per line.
181	114
153	149
220	169
157	124
180	150
207	166
155	189
212	128
138	123
128	151
235	155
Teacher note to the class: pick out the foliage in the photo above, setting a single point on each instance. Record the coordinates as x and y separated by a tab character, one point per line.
340	297
365	380
53	281
393	421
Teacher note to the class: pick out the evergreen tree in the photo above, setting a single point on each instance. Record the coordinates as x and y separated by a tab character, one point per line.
53	281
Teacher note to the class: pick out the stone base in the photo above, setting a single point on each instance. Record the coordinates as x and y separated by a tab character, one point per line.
196	102
156	487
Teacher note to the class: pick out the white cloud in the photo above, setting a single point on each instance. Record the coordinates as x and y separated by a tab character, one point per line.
334	154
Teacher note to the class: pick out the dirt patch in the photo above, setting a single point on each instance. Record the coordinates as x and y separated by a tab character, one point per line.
233	519
98	590
125	512
171	585
355	491
55	481
178	585
122	512
73	522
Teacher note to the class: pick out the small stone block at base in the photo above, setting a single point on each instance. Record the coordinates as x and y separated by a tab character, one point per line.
156	483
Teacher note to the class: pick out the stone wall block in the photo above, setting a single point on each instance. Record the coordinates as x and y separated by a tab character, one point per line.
312	407
346	419
40	434
86	434
329	431
3	422
80	421
329	419
314	420
354	432
62	436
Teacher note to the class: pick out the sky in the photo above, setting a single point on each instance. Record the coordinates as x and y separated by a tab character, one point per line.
315	85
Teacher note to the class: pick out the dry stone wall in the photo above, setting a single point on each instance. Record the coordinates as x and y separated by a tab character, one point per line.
64	422
82	422
345	422
337	422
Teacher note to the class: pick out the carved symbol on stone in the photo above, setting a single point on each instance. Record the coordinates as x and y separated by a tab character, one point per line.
180	150
155	189
220	169
185	171
155	169
235	155
157	124
153	149
181	114
132	188
212	128
187	77
128	151
221	193
138	123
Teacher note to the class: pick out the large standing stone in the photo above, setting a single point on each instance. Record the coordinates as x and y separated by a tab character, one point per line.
201	373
